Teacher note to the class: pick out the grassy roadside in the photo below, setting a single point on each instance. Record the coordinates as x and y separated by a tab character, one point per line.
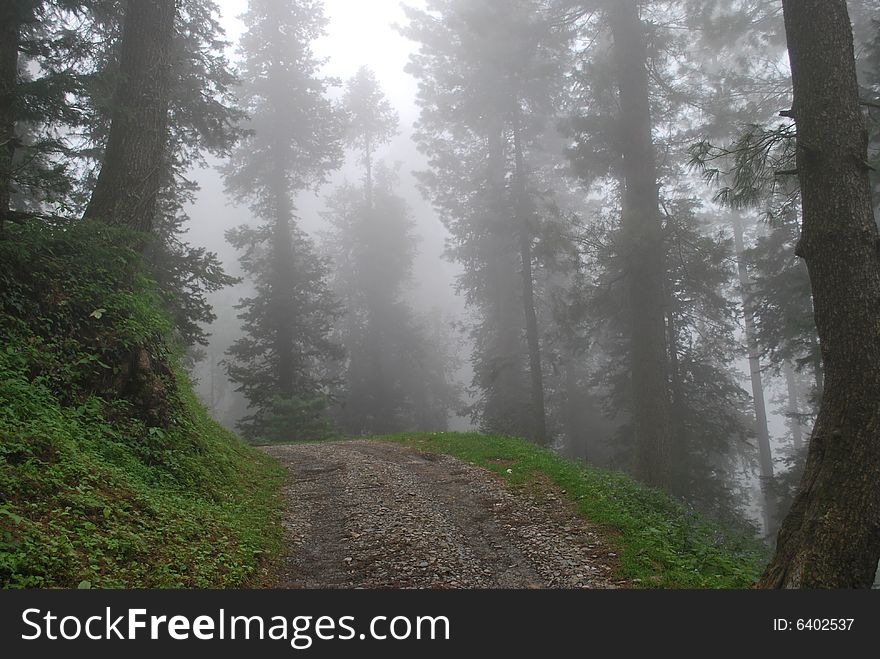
112	475
101	487
660	543
82	506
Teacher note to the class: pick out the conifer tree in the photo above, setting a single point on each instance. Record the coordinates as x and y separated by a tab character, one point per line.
395	378
490	75
295	140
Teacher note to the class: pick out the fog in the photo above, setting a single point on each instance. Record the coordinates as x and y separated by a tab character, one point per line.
536	280
541	235
358	34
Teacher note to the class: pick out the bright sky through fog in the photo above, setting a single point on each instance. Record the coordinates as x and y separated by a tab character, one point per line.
360	33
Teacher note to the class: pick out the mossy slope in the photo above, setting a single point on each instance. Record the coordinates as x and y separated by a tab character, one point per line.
111	473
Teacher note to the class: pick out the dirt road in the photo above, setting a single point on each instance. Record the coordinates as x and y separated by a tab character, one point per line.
364	514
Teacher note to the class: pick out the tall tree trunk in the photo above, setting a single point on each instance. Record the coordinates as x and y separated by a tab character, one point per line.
281	277
524	215
793	408
502	352
10	30
282	280
644	246
368	164
831	536
678	437
131	173
765	455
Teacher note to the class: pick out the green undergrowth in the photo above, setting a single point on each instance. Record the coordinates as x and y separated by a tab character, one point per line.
660	542
137	489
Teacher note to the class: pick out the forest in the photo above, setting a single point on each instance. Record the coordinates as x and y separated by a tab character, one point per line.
617	253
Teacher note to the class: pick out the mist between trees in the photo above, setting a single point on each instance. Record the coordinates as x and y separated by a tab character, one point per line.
620	188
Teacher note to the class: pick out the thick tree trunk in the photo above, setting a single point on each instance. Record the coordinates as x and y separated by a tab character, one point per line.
765	455
10	29
831	536
644	250
524	229
131	174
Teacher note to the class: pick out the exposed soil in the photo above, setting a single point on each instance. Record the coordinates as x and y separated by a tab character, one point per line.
365	514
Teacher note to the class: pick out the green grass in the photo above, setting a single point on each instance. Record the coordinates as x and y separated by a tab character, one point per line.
81	505
660	542
93	494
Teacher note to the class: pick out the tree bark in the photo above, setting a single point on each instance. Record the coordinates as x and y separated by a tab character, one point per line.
644	245
765	455
131	174
831	536
523	216
10	30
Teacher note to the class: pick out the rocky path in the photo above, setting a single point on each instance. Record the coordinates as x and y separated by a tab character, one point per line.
364	514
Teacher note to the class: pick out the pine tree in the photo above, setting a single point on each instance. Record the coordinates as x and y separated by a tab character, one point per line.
627	131
645	269
828	539
281	362
707	404
762	431
395	379
35	107
295	140
126	192
202	118
12	16
69	69
490	75
372	121
782	301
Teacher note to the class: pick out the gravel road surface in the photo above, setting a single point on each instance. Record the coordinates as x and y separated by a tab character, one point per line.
366	514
